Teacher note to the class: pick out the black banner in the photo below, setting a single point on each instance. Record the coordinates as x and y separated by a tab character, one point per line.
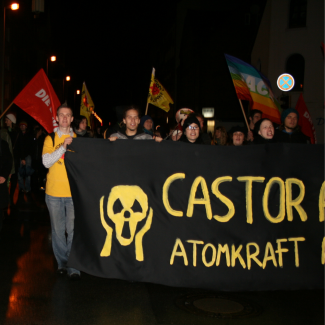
222	218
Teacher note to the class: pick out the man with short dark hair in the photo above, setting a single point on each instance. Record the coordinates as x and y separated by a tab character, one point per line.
254	116
58	195
289	131
131	120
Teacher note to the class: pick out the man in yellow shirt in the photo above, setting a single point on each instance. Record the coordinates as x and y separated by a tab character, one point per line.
58	195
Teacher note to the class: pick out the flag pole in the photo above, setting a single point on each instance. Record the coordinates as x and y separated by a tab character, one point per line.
242	108
152	73
4	112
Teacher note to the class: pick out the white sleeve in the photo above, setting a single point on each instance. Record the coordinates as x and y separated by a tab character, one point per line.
49	159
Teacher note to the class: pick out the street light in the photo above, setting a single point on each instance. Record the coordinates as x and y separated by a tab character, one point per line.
78	92
67	78
52	59
13	6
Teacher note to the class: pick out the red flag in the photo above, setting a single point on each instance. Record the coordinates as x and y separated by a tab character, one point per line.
305	121
39	100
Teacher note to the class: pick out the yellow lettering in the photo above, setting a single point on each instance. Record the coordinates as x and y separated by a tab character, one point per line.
181	253
235	253
195	242
271	257
249	183
323	251
252	256
106	251
205	200
166	186
322	202
281	215
290	203
223	199
214	253
223	249
281	250
295	240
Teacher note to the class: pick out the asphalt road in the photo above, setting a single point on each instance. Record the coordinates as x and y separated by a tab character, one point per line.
32	293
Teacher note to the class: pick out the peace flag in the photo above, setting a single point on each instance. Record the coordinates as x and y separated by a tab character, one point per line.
158	95
251	85
87	105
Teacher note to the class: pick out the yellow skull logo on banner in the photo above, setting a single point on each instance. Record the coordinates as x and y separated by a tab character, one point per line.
127	195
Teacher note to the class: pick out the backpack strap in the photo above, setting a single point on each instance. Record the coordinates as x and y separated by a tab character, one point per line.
52	135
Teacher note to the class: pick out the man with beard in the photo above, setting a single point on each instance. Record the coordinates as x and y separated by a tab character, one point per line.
289	131
131	121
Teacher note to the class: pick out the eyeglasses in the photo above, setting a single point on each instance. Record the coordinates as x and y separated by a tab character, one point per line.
193	127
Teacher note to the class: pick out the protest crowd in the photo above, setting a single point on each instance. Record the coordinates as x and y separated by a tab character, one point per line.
35	160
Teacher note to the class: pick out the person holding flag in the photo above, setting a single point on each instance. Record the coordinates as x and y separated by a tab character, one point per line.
58	195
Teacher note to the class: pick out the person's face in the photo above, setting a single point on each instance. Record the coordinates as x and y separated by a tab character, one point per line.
8	122
238	138
83	125
64	118
148	125
201	120
291	121
217	134
266	130
192	132
256	117
131	120
23	127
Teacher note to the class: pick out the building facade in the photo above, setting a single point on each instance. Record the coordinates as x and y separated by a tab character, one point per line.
289	41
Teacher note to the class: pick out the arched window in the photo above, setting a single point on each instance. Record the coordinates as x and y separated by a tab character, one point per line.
297	13
296	67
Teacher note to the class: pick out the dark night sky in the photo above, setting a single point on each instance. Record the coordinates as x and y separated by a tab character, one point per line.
107	45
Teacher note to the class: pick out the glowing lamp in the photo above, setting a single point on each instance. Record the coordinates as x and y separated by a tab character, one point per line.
67	78
53	58
14	6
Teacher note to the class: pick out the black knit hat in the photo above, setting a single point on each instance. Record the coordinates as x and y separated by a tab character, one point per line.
190	120
237	128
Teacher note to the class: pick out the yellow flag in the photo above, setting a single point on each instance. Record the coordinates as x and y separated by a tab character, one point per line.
158	95
87	105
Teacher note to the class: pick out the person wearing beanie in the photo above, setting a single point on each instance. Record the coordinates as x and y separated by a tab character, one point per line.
265	132
237	136
289	131
147	124
203	135
191	131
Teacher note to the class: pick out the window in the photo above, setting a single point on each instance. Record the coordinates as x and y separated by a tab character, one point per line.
297	13
296	67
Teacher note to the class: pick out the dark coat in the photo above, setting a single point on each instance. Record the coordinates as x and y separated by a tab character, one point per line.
5	168
23	146
294	137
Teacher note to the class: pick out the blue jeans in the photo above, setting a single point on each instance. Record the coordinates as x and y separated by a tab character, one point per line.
62	222
25	186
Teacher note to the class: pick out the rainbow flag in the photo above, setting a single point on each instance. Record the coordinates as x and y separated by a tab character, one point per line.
251	85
